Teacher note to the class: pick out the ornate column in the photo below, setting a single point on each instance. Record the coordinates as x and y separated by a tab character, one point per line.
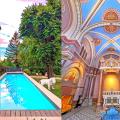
100	89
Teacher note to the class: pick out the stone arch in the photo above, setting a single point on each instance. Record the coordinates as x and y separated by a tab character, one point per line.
74	73
73	17
67	14
76	65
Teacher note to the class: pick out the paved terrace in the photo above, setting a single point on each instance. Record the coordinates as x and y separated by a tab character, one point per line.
84	113
29	115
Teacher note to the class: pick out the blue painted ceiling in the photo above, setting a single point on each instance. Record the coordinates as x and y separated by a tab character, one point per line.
98	17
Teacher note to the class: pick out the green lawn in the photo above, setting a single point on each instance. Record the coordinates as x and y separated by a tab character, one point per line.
57	90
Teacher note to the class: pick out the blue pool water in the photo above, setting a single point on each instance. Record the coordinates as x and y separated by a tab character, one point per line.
17	92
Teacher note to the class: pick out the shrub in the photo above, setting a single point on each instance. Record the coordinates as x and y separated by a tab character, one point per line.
27	71
33	72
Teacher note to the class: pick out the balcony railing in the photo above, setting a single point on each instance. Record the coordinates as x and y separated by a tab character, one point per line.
111	98
111	92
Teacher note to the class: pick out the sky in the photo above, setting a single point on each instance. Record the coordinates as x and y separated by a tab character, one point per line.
10	15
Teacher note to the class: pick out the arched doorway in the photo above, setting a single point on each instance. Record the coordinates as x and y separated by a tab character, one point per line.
70	81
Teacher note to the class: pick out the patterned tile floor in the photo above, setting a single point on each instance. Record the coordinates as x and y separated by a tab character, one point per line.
84	113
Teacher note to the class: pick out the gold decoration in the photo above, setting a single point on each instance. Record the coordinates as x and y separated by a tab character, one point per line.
72	75
97	41
111	15
111	49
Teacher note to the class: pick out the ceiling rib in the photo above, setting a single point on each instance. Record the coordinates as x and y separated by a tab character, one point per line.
92	13
96	25
105	36
109	41
103	47
116	37
100	34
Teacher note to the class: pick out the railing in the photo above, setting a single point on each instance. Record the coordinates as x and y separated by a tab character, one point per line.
14	70
111	98
105	67
111	92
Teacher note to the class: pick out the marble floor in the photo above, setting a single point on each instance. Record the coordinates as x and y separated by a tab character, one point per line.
83	113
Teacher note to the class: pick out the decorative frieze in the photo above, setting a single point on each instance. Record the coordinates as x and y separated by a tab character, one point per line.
92	70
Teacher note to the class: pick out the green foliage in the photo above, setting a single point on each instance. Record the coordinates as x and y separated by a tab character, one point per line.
41	21
11	51
38	23
7	63
27	52
35	52
27	71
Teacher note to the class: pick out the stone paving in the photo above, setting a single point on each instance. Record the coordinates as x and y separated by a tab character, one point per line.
84	113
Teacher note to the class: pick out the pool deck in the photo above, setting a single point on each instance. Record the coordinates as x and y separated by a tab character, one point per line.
36	114
30	115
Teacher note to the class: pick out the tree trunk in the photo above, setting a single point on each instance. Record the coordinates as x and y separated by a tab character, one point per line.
16	61
50	71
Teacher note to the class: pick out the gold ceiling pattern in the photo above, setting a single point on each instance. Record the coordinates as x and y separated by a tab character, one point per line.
111	15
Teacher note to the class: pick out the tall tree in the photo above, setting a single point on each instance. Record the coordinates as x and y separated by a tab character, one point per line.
42	22
12	49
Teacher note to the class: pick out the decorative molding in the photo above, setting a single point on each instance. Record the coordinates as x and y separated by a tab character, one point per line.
97	41
67	15
110	62
111	15
92	70
79	19
70	41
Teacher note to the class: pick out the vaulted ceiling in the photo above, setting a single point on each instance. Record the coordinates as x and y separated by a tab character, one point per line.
99	18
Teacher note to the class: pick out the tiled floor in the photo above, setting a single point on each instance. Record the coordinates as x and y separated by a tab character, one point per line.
84	113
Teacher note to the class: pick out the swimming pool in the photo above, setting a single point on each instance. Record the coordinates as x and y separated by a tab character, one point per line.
17	92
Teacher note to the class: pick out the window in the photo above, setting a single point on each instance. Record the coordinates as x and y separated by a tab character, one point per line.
109	100
115	100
